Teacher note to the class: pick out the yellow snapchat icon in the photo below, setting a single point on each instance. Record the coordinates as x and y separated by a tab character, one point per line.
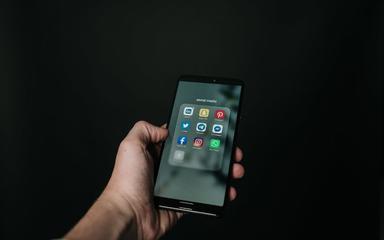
204	112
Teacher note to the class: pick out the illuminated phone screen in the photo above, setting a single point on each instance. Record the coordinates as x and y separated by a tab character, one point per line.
196	156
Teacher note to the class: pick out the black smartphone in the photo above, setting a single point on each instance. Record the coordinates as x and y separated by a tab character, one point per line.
196	159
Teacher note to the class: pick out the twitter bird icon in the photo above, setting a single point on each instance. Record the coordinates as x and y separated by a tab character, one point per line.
185	125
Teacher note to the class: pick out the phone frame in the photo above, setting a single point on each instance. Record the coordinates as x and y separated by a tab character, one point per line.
189	206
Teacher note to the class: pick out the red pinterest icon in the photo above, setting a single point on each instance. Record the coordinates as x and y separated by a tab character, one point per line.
219	114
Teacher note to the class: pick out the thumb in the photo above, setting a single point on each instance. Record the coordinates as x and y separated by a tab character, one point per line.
147	133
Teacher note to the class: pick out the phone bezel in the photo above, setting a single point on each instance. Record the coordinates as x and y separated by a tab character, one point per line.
189	206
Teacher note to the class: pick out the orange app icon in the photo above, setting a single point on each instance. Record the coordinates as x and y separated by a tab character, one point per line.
204	112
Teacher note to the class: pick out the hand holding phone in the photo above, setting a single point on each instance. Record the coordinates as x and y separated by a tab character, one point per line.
203	130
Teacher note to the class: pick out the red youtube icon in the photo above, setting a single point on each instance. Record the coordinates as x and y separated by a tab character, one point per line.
219	114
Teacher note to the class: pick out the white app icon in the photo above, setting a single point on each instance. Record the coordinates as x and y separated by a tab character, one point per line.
178	155
201	127
188	111
217	128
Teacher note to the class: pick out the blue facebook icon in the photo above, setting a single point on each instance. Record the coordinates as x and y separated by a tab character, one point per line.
182	140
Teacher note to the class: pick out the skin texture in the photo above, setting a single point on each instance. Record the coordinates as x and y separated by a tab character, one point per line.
125	209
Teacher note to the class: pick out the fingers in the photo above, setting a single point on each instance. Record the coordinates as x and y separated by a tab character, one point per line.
237	171
238	154
147	133
158	146
232	193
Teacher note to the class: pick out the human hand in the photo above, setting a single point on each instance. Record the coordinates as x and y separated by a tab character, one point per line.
126	209
132	180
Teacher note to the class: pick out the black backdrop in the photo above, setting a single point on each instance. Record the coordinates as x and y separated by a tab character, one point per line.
76	76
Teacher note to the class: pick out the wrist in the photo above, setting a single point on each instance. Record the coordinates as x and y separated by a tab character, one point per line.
141	225
123	211
108	218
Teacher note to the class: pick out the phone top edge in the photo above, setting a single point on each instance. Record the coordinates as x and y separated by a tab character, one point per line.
210	79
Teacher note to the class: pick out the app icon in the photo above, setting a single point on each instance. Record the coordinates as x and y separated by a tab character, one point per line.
188	111
201	127
179	155
204	112
182	140
198	142
185	125
219	114
217	128
214	143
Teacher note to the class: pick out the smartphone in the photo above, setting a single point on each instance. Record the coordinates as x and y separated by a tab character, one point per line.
196	159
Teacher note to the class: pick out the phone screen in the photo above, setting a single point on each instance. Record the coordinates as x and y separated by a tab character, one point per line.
196	156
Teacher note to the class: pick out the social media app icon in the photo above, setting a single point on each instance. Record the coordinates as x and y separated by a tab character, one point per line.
185	125
188	111
204	112
214	143
178	155
217	128
182	140
201	127
219	114
198	142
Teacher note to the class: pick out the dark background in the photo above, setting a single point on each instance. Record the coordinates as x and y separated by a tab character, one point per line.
76	76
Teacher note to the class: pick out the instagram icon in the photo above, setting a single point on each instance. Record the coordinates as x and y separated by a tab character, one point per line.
198	142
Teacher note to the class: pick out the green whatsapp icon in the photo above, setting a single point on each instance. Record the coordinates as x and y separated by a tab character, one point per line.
214	143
